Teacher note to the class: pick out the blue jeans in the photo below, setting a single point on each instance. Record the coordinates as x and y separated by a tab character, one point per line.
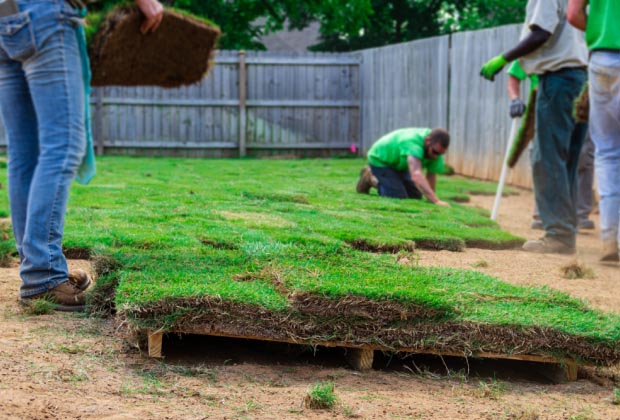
395	184
604	73
42	105
555	154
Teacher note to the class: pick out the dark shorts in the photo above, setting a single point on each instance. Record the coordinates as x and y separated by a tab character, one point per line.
395	184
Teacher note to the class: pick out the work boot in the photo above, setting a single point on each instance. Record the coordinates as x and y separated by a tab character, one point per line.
547	245
610	252
367	181
537	224
585	224
66	296
80	278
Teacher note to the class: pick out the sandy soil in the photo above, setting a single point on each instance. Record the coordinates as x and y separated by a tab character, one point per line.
63	366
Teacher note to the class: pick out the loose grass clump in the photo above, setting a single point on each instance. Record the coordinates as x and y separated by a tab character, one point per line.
39	307
321	396
577	270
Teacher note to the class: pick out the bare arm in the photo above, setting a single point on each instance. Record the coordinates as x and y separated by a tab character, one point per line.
513	87
153	13
576	14
535	39
421	182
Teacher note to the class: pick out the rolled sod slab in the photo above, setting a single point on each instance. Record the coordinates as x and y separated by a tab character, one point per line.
525	134
178	53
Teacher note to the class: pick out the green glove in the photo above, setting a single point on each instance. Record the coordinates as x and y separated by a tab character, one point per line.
492	67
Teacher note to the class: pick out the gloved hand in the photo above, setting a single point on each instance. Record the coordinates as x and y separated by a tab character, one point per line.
492	67
517	108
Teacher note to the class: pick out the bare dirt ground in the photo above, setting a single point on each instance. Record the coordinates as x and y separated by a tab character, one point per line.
63	366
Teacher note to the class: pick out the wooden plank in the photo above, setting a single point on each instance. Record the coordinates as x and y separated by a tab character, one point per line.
98	121
155	144
361	356
242	104
360	359
155	344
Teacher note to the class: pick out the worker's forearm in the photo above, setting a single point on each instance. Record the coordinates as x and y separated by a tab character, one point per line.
422	184
576	14
536	38
513	87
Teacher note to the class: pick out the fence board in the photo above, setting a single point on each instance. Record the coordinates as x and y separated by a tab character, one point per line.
404	85
479	119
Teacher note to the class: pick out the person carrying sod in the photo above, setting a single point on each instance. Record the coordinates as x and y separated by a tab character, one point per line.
397	162
557	53
585	167
43	97
601	23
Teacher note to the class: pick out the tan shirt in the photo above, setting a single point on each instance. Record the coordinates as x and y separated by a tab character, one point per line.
565	48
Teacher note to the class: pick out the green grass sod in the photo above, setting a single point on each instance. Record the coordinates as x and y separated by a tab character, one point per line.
278	248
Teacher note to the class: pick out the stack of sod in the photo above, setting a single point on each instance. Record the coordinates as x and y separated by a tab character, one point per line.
177	53
286	250
525	134
313	296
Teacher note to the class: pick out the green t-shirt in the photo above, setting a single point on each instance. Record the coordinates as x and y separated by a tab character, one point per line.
392	150
517	71
603	30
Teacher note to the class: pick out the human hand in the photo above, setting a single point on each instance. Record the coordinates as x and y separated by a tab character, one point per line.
443	203
492	67
153	13
517	108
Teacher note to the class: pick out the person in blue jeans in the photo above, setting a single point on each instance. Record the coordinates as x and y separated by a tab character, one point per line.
42	103
557	53
603	38
398	160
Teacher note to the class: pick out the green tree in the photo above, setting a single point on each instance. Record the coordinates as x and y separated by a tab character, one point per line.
347	25
394	21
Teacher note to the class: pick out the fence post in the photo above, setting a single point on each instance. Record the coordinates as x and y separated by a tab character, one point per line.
98	120
242	103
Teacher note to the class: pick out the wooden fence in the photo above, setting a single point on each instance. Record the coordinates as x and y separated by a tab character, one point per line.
250	102
404	85
260	103
479	120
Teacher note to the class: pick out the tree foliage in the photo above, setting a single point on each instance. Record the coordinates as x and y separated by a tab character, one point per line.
394	21
347	25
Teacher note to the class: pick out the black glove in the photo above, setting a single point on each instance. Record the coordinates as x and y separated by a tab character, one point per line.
517	108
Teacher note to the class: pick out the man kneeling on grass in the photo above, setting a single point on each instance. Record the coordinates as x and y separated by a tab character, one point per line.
398	159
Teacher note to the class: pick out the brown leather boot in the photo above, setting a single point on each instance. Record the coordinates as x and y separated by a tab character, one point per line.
80	278
367	181
610	252
66	297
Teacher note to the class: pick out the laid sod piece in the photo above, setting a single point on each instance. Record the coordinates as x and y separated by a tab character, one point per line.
177	53
581	109
221	203
525	134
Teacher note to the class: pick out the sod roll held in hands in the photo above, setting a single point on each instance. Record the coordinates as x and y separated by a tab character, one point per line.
177	53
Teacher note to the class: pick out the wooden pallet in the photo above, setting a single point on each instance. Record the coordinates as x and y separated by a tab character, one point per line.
361	358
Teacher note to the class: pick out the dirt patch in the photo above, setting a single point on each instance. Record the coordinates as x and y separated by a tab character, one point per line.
77	253
218	244
177	53
367	246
